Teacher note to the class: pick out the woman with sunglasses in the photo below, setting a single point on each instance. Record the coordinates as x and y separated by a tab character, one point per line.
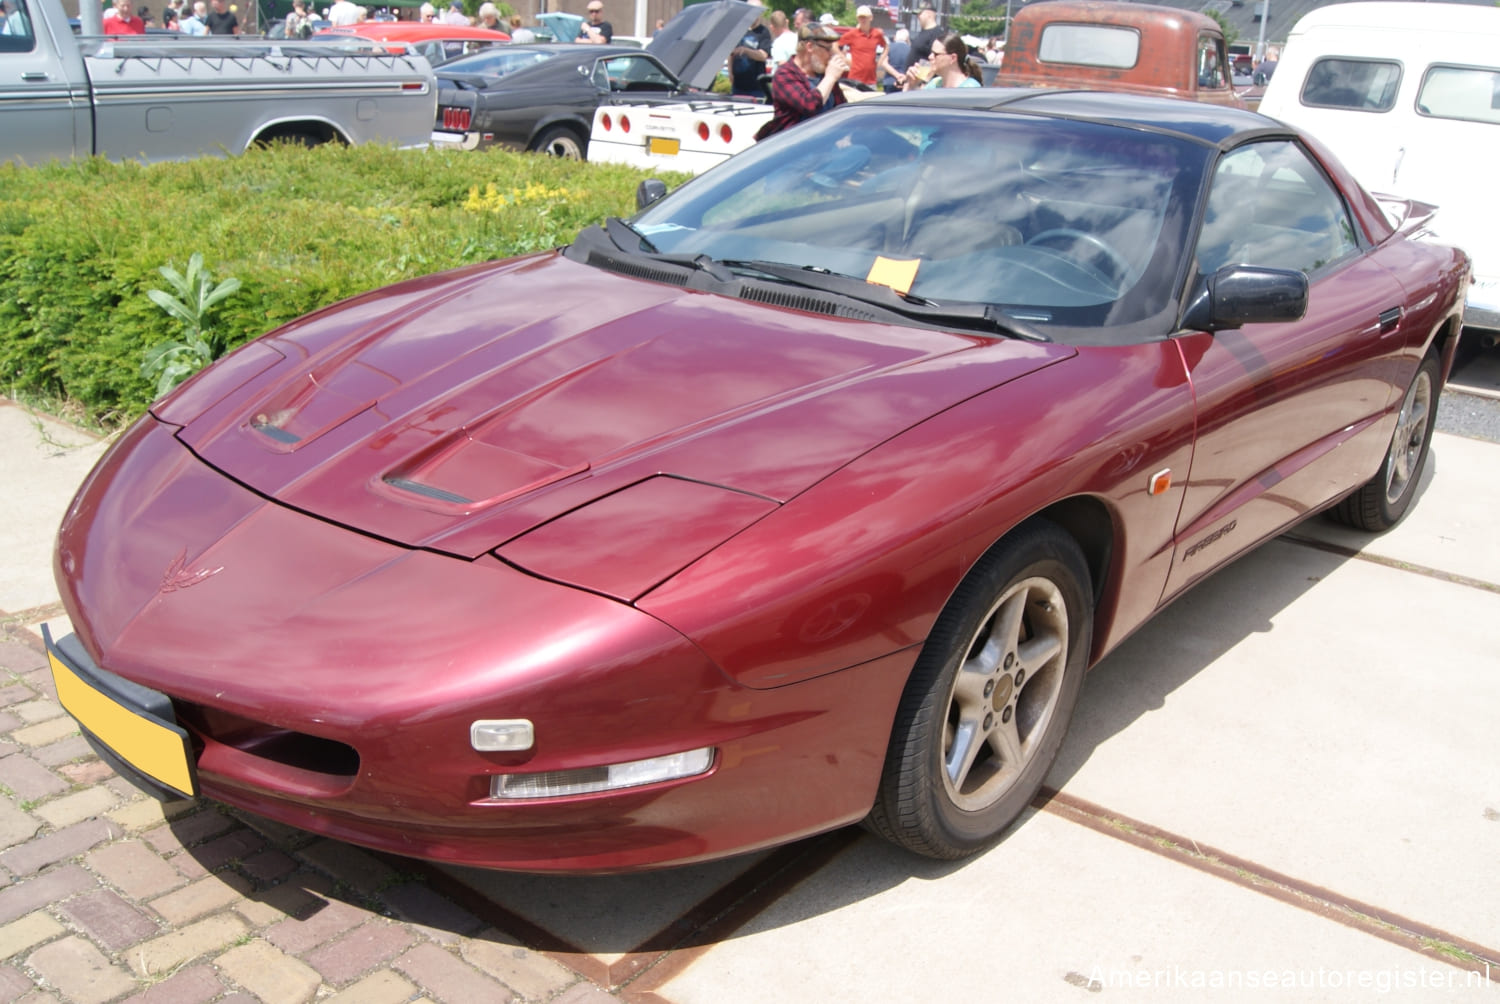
948	65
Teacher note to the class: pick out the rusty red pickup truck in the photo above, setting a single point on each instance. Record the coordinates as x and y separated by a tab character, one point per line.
1101	44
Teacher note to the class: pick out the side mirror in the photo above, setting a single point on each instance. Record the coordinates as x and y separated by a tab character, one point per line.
649	191
1236	295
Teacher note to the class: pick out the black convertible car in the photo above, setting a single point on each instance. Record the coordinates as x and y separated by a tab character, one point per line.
542	97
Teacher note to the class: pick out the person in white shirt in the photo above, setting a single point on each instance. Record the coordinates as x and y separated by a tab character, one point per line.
783	41
343	14
194	23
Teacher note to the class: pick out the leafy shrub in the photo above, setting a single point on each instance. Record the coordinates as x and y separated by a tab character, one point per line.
82	242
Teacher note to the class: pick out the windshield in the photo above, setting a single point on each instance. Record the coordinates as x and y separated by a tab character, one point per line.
1052	221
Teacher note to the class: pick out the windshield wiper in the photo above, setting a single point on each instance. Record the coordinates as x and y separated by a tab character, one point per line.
978	316
624	235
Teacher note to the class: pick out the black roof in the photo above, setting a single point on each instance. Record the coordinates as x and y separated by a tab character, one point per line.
1204	122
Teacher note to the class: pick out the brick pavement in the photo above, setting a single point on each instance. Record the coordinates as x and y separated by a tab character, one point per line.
107	895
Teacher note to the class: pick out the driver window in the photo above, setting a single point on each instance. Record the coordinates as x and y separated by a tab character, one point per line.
1211	62
16	34
1270	205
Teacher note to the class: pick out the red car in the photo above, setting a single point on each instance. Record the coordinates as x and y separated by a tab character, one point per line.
804	497
438	43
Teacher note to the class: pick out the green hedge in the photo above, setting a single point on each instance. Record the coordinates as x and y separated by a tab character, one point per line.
80	244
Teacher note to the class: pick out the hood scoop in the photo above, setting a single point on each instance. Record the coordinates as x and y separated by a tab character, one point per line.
464	473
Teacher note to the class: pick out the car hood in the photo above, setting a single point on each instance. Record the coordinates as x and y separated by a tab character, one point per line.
695	43
459	411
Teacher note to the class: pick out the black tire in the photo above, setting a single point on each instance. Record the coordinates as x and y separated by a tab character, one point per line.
1380	503
988	702
560	141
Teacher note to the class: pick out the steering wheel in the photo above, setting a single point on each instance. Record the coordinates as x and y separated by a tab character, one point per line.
1120	262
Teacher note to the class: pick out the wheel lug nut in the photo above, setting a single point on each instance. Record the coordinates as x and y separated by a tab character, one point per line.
1010	659
1005	715
989	721
1020	677
989	688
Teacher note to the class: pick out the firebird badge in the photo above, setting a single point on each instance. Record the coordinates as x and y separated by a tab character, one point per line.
178	576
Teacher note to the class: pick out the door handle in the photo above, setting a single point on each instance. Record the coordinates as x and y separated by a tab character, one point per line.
1389	319
36	75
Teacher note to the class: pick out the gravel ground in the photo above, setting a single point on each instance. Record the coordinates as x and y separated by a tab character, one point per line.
1470	405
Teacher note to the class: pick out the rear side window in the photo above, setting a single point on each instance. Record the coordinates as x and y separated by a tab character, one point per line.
1090	45
1470	93
1365	85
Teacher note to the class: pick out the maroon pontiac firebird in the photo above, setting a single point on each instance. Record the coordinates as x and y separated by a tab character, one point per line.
804	497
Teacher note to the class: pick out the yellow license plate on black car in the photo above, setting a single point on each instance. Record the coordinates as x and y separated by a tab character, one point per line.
663	146
142	739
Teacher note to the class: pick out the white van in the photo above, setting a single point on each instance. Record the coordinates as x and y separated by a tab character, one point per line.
1407	95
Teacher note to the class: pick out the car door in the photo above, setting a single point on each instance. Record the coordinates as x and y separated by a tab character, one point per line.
1288	413
41	103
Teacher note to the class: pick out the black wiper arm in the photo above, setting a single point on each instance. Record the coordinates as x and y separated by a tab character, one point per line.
627	237
979	316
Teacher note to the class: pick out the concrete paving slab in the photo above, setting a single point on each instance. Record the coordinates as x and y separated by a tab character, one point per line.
1451	526
41	466
1327	717
1051	913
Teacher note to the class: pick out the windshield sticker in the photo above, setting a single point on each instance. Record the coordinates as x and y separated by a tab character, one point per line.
896	273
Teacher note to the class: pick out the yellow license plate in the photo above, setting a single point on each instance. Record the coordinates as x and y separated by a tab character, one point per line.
156	748
663	146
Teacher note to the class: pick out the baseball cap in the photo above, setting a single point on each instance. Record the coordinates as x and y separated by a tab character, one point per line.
828	18
816	33
863	11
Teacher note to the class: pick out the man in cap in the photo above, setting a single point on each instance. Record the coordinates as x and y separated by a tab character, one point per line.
808	83
921	42
455	15
866	46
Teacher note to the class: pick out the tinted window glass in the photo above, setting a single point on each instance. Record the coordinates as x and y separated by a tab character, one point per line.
1271	205
497	62
1361	84
1064	222
1090	45
16	34
1461	92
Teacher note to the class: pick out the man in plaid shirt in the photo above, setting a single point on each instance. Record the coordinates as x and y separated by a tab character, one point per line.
808	83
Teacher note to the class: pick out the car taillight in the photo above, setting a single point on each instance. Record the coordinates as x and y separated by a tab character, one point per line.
607	122
725	133
624	123
703	131
457	119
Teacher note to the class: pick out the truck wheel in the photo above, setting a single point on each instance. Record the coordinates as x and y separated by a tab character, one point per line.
560	141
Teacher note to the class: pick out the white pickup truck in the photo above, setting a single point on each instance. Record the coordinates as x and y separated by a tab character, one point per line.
162	97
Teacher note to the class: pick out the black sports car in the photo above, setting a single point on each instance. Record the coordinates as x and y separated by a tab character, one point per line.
542	97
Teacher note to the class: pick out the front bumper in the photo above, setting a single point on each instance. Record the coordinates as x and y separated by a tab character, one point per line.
328	680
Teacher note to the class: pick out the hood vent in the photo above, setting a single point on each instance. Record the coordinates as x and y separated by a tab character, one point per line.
777	296
417	488
275	432
638	269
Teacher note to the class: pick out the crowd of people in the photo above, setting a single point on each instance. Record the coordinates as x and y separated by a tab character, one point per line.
805	59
